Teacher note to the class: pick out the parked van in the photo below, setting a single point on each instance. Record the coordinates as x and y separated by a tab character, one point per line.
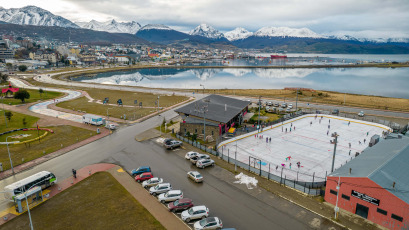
92	119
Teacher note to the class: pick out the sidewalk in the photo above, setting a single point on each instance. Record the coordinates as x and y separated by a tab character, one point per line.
30	164
166	218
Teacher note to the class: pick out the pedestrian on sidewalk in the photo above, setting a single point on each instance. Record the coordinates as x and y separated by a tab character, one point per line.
74	173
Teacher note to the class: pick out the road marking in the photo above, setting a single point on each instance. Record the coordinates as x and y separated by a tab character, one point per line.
120	170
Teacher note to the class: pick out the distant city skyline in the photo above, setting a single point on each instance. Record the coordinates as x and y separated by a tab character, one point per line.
370	18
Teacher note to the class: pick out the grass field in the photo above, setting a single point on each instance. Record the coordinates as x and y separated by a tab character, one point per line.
113	111
16	121
98	202
31	134
34	96
65	135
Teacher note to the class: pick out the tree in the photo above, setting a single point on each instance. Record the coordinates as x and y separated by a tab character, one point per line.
22	95
22	68
41	91
9	66
24	122
3	77
9	115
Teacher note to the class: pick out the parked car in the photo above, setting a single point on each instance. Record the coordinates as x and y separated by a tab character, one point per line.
171	195
173	144
110	126
288	110
269	103
160	188
191	154
143	177
181	204
195	176
199	157
152	182
276	104
335	111
195	212
208	223
290	106
284	105
361	114
140	170
203	163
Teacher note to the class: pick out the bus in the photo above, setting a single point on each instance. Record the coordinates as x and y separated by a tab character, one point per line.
42	179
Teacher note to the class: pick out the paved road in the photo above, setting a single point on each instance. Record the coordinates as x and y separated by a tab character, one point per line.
231	202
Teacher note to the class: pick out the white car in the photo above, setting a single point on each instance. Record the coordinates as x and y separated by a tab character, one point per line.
361	114
269	103
191	154
171	195
290	106
110	126
195	212
284	105
152	182
208	223
160	188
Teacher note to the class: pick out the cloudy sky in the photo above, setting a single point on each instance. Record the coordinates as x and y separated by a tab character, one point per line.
367	17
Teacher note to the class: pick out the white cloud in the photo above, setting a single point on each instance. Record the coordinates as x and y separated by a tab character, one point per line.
318	15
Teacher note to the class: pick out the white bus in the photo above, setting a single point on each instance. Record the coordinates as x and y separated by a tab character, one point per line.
42	179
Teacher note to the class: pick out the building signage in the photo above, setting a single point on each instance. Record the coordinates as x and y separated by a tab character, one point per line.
365	197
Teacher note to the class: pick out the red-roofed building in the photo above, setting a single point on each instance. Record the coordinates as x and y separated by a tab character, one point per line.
9	90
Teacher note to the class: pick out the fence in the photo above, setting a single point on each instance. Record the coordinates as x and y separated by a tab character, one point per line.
313	187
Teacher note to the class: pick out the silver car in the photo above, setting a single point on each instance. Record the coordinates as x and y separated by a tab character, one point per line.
199	157
208	223
171	195
204	163
152	182
191	154
195	176
195	212
160	188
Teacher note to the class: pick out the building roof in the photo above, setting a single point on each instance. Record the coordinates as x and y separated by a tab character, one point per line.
384	163
219	108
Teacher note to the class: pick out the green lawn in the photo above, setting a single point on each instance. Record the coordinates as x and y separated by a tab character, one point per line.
82	104
65	135
34	96
22	135
16	121
98	202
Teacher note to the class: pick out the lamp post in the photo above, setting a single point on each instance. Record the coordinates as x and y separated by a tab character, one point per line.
259	107
160	127
28	207
335	149
4	111
203	89
8	150
296	101
108	113
336	209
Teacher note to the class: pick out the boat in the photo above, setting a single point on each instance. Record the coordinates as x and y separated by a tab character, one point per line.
278	56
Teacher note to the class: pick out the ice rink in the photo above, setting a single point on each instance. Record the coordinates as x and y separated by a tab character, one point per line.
305	139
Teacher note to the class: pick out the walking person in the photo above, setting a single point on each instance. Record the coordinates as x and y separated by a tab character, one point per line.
364	141
327	132
74	173
349	144
349	122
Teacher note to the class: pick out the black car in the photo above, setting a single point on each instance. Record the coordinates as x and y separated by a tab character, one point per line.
335	111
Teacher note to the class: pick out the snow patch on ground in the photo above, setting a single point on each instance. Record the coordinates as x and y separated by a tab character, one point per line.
250	182
160	140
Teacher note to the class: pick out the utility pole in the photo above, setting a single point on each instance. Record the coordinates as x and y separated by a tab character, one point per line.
335	149
296	102
259	107
336	209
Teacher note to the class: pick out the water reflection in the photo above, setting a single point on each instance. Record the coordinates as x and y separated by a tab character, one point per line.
374	81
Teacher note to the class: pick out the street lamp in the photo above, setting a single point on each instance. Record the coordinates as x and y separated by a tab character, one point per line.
28	207
108	113
335	141
204	119
160	127
203	89
11	162
296	101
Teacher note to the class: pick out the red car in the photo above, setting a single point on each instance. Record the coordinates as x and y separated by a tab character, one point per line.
143	177
181	204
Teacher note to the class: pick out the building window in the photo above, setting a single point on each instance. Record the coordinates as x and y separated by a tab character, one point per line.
345	197
203	131
195	130
212	133
333	192
381	211
185	130
398	218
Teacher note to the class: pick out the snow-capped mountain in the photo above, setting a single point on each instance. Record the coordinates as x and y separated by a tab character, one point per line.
368	37
286	32
111	26
155	27
206	31
238	33
32	15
